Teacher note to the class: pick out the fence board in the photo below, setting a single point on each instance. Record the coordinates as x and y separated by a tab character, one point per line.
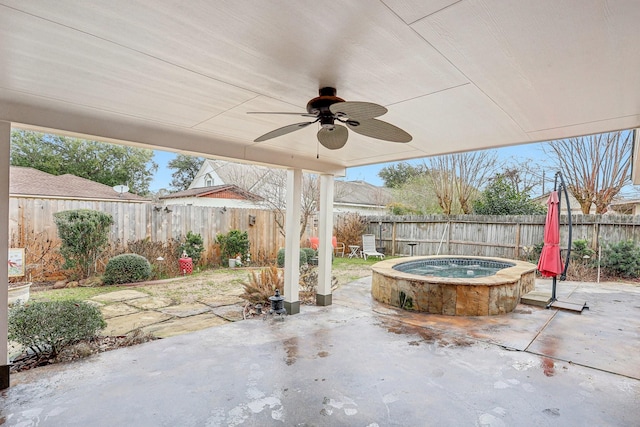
498	236
137	221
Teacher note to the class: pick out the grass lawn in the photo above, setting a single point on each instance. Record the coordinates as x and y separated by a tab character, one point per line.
200	285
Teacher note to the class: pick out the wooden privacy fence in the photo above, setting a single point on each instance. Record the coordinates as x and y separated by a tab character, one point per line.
138	221
488	235
496	236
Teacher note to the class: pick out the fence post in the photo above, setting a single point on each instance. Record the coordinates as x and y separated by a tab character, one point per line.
596	232
516	252
393	238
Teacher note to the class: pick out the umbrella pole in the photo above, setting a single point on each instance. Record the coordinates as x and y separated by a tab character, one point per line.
553	291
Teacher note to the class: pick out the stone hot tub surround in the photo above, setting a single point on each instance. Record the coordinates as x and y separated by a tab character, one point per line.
482	296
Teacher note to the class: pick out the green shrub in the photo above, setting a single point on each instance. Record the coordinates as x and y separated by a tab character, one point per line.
502	197
232	244
126	268
193	245
622	259
581	251
303	257
309	253
84	234
49	326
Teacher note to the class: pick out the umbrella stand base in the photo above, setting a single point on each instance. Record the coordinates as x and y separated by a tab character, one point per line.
544	299
536	298
569	306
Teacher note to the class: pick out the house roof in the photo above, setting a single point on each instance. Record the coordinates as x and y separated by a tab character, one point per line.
221	191
250	177
457	75
360	193
25	181
255	177
623	202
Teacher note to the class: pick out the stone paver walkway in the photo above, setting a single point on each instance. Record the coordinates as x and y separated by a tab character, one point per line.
129	309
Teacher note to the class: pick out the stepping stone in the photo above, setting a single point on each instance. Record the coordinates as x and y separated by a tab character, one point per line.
122	325
231	313
118	296
117	309
150	303
184	325
186	310
221	300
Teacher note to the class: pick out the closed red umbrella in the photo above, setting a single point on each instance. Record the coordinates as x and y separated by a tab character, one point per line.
550	263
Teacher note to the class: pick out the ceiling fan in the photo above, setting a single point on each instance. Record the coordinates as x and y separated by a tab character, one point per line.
327	109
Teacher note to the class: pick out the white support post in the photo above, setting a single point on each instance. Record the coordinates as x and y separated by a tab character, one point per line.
325	251
635	158
292	241
5	146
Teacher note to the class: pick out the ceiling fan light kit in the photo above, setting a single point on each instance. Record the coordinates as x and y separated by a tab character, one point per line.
328	108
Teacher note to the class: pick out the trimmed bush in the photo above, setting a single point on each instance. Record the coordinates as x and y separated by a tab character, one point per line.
47	327
303	258
126	268
622	259
232	244
310	253
84	234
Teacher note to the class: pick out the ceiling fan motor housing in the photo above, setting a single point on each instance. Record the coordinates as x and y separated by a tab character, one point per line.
320	106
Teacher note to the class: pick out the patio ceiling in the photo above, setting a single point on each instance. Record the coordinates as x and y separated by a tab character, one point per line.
457	75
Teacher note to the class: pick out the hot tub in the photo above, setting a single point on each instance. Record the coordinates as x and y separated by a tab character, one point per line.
453	285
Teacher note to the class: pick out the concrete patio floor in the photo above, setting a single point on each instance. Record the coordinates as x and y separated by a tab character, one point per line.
358	363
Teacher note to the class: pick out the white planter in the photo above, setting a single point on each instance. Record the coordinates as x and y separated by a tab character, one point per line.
19	292
232	262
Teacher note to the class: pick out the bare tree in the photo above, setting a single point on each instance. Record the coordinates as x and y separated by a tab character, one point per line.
248	177
525	175
595	167
381	197
310	200
457	177
442	183
272	188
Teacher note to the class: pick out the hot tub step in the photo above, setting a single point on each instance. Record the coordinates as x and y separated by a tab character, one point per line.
537	298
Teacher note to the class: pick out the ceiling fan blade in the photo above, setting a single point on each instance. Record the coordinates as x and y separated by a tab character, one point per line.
333	138
283	131
381	130
278	112
358	110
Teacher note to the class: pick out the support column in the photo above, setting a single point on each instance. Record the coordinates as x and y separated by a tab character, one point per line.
325	233
292	242
635	158
5	146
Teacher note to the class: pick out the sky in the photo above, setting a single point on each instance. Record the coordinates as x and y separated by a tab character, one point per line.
363	173
514	154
